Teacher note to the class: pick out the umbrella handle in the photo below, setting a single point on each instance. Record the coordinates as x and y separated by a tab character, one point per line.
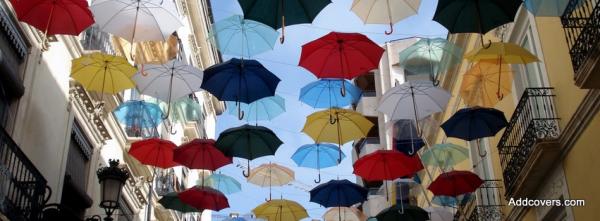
486	46
282	38
240	113
500	95
343	89
479	150
319	180
391	29
171	131
332	120
248	173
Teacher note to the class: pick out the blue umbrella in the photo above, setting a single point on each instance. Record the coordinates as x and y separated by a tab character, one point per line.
450	201
225	184
551	8
240	81
474	123
138	114
338	193
241	37
325	93
264	109
317	156
409	146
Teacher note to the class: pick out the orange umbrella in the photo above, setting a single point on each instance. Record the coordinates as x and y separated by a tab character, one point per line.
486	83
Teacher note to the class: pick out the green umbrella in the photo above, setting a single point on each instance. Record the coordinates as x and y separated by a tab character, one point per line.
171	201
279	13
443	155
404	213
248	142
430	56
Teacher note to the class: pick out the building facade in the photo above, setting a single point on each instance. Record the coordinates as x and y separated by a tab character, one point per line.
53	141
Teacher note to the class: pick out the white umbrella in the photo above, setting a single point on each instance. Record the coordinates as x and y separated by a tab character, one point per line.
137	20
385	11
413	100
439	214
168	82
345	213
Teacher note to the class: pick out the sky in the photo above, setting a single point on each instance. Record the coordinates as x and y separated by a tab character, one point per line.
282	61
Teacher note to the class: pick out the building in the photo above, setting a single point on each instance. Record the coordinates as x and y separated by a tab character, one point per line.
52	142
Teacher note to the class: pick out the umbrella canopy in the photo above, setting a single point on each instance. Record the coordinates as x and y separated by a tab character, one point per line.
344	213
224	183
325	93
266	108
103	73
385	12
139	114
451	201
154	152
483	85
444	155
549	8
200	154
430	56
340	55
508	53
66	17
406	138
338	193
404	213
202	197
280	210
271	174
169	81
475	16
317	156
455	183
171	201
189	110
140	20
474	123
241	37
413	100
386	165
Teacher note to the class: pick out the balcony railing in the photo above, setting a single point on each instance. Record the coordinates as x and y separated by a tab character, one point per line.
581	22
484	204
534	120
22	192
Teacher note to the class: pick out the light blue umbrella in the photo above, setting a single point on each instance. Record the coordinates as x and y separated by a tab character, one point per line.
240	37
225	184
139	114
430	56
263	109
317	156
450	201
549	8
325	93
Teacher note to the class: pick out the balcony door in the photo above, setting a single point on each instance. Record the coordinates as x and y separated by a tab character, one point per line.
530	75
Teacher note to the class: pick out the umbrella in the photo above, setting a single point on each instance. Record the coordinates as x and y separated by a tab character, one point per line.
224	183
200	154
341	55
280	210
444	155
404	213
154	152
248	142
430	56
317	156
262	109
240	81
68	17
171	201
279	13
241	37
455	183
271	175
168	82
475	16
337	126
406	138
139	114
139	20
483	84
385	12
451	201
336	193
344	213
103	73
190	110
550	8
202	197
475	123
439	214
324	93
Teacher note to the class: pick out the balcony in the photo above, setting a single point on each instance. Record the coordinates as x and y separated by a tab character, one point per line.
529	144
367	145
581	22
484	204
22	186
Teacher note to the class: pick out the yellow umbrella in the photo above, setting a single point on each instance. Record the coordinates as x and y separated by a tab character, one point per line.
271	175
280	210
103	73
336	125
344	213
483	84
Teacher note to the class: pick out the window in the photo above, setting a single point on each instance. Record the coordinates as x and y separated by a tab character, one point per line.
532	74
482	166
4	106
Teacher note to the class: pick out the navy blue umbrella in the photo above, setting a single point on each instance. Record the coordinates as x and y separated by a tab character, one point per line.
338	193
240	81
409	146
406	137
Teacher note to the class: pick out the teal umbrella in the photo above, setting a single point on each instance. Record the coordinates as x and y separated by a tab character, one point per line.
444	155
171	201
430	56
549	8
263	109
240	37
226	184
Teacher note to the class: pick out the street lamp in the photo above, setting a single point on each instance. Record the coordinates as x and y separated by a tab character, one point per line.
112	179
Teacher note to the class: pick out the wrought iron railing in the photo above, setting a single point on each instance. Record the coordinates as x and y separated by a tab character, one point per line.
25	188
581	22
534	119
484	204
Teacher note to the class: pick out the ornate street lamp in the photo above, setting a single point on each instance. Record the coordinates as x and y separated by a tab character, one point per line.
112	179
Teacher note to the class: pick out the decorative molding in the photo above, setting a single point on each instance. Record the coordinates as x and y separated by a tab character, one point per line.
8	26
82	97
82	141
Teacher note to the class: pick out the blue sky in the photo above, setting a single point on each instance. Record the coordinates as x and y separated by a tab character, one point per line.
283	62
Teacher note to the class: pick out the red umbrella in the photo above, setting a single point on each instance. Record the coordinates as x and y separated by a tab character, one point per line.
341	55
200	154
202	197
69	17
386	165
455	183
154	152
